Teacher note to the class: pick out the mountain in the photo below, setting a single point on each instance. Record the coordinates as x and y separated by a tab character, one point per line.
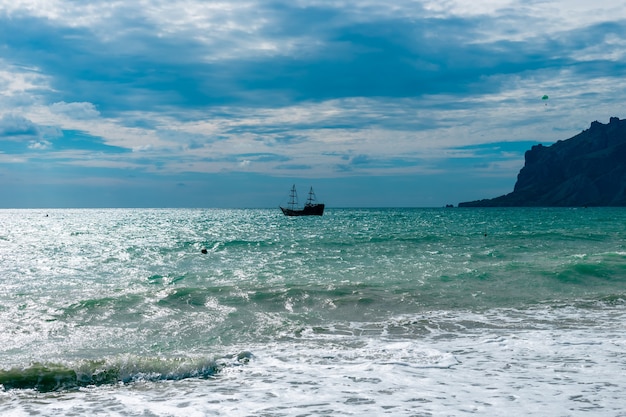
588	169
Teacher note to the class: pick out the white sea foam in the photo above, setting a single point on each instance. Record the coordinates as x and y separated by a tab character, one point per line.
489	372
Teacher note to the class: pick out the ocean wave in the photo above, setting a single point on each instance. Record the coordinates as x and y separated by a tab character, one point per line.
48	377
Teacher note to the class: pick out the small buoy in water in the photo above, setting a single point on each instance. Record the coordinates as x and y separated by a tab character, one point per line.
204	251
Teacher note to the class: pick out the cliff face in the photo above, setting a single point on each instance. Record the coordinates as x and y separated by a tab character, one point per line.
586	170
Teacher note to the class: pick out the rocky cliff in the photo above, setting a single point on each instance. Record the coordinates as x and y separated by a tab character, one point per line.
588	169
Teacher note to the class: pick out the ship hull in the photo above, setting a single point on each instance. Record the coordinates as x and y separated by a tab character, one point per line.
309	210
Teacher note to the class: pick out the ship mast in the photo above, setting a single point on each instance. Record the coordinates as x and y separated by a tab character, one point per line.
293	198
310	201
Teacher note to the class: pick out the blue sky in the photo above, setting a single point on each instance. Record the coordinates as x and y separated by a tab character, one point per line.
185	103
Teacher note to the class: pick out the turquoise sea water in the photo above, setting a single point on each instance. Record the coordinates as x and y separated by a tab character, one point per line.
397	312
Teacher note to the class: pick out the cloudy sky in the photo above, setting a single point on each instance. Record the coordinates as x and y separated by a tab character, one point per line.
190	103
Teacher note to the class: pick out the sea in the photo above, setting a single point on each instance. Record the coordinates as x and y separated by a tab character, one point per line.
360	312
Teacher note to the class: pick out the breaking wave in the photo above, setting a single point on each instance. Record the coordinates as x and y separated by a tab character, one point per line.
47	377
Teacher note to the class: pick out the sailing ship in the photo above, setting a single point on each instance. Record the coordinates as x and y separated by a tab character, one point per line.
311	207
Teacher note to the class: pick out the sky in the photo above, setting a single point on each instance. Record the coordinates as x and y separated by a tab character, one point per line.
226	104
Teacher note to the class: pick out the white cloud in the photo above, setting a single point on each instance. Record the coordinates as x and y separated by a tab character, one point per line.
14	126
81	111
21	87
142	148
39	145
